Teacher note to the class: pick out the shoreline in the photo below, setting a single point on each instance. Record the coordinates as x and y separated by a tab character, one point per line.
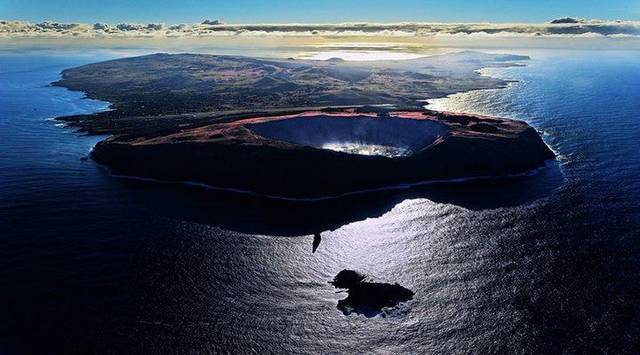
119	118
135	148
510	83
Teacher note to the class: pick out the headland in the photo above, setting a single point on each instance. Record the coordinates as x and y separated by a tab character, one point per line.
299	129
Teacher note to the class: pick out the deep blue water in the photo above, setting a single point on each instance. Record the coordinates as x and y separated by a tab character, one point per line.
544	263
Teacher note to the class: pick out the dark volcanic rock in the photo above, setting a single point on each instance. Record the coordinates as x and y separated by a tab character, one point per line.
368	298
347	279
483	127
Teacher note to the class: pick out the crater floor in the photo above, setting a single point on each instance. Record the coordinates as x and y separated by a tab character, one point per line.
364	135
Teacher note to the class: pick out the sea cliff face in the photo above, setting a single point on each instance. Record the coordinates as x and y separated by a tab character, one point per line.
230	155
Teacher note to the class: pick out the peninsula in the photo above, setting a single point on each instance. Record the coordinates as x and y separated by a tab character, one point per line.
296	128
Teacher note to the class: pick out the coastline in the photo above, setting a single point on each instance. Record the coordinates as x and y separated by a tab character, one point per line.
510	83
326	189
414	85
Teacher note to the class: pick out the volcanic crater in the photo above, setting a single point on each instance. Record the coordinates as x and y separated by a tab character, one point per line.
331	152
359	134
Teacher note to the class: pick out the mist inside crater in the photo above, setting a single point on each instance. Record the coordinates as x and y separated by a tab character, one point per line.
362	135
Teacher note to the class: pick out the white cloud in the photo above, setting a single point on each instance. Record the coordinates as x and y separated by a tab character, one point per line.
564	27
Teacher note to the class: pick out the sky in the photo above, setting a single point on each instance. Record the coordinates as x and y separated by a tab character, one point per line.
310	11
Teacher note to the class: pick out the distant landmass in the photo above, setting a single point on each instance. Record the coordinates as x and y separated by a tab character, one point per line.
193	88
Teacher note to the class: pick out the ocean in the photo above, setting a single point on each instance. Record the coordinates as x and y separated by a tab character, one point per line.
547	262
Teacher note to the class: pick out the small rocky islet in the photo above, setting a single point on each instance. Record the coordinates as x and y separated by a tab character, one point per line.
368	298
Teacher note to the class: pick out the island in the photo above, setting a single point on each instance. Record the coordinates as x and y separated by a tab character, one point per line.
368	298
299	129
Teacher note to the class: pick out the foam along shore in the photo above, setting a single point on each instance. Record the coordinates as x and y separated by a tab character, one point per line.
262	155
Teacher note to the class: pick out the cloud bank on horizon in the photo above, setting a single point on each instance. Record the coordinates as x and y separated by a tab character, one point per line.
562	27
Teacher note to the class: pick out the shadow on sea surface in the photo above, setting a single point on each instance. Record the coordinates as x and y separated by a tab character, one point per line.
258	215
